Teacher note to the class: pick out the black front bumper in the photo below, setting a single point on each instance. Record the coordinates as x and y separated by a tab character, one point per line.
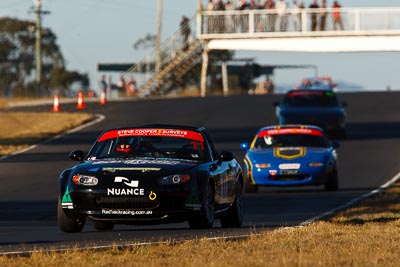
153	207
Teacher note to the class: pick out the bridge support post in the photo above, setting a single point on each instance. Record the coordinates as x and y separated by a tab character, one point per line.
204	67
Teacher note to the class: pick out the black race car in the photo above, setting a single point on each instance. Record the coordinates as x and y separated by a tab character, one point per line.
151	175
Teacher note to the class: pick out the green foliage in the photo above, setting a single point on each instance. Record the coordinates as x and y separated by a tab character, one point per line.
17	60
149	41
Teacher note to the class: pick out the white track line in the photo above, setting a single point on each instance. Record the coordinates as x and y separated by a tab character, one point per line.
98	119
353	201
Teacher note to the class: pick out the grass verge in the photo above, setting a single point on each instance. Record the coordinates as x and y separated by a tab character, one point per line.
19	130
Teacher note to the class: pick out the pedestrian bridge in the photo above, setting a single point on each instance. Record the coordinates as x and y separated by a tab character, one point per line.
307	30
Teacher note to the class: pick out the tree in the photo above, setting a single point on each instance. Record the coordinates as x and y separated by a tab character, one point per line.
149	41
17	60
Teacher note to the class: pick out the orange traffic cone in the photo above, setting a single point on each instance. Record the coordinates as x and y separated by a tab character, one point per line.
81	102
56	104
103	98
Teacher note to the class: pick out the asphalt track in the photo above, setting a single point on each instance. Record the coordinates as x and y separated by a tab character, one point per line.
28	193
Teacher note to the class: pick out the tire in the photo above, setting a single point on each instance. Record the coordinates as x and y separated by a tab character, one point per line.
67	224
248	187
234	217
103	225
333	182
205	219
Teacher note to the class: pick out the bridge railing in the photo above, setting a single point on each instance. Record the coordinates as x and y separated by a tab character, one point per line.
304	22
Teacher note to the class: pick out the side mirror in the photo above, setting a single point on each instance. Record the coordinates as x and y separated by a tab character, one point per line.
344	104
335	144
245	146
226	156
276	103
77	155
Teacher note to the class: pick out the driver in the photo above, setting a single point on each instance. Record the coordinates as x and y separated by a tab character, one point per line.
126	145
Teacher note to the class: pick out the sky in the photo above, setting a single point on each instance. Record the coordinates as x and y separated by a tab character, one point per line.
104	31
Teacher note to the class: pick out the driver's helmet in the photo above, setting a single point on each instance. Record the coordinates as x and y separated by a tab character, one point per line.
126	145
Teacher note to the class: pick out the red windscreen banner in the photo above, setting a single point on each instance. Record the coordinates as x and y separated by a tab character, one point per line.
152	132
290	131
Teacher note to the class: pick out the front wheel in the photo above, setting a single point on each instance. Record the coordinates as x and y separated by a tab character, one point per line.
67	224
249	187
206	217
234	217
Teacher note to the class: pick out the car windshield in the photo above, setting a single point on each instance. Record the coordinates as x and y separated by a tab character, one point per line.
154	143
267	139
310	99
322	85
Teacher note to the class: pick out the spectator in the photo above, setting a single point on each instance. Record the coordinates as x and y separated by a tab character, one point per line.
255	4
121	83
337	18
296	16
252	4
281	7
322	16
243	19
210	6
314	15
131	87
210	21
230	26
271	17
219	20
219	5
258	5
269	87
229	5
103	84
259	19
185	31
242	5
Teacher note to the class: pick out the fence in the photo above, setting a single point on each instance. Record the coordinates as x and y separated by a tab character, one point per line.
314	22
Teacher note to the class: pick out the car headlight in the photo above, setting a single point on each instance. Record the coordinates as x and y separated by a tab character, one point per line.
175	179
315	164
262	165
87	180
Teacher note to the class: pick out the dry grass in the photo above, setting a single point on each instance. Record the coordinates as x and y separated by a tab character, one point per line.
3	103
19	130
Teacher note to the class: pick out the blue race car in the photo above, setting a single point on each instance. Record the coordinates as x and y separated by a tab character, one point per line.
290	155
313	107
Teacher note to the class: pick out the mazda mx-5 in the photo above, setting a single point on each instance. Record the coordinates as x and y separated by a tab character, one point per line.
290	155
151	175
313	107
